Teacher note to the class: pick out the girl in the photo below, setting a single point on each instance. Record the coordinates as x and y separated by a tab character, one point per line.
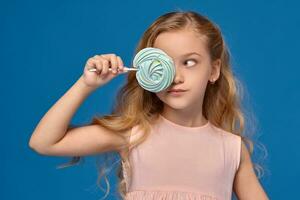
184	142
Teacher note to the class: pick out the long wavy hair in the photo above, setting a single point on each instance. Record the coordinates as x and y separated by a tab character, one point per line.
222	104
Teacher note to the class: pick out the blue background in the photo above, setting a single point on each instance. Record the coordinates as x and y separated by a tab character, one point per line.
45	44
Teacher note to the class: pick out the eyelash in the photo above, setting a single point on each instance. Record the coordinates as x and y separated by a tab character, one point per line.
191	60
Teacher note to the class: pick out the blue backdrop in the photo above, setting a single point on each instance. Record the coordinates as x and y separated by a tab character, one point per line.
45	44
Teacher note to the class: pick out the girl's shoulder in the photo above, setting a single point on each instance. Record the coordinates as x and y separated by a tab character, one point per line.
225	133
233	145
232	141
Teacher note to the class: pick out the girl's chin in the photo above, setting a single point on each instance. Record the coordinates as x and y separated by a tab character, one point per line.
176	104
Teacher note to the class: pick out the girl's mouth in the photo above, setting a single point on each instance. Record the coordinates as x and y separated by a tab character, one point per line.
176	93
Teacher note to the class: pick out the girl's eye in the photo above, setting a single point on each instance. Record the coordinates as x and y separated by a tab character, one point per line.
193	61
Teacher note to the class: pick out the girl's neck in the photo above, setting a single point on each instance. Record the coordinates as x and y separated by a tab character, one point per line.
185	119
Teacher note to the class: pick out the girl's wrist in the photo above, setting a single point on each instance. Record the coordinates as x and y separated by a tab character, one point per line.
83	86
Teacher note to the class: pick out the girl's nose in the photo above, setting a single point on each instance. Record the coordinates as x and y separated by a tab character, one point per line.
178	75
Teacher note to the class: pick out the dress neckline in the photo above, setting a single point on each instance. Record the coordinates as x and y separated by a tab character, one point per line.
186	128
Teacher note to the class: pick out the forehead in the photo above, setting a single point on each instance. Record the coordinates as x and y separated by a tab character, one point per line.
178	43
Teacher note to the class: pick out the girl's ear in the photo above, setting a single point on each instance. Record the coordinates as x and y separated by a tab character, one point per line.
215	72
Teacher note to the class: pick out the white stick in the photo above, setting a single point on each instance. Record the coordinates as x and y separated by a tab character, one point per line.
125	69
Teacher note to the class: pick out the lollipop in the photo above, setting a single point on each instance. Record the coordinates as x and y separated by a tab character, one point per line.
155	69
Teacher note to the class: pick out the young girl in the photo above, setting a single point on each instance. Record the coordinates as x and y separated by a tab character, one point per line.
184	142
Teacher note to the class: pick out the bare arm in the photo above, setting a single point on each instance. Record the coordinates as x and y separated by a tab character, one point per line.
52	137
246	184
52	127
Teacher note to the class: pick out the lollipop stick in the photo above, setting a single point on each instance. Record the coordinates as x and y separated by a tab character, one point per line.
125	69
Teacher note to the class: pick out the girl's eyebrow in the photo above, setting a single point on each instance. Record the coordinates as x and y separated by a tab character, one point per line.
191	53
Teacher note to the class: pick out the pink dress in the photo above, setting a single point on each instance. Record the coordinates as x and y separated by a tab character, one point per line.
180	162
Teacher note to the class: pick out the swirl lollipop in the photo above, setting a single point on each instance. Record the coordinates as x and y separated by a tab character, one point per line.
155	69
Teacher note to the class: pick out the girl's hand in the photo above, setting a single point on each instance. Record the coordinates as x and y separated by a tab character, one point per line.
104	74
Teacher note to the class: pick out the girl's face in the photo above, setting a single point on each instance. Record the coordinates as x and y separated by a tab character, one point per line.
193	69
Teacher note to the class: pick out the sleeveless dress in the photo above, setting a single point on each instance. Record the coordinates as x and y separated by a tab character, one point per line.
179	162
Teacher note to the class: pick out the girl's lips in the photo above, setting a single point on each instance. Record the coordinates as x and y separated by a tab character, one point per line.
176	93
176	90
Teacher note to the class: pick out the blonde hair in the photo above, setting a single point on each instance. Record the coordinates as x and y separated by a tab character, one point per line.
136	106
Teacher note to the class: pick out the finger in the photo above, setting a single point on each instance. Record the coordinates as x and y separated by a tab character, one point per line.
113	61
120	63
105	64
99	65
91	64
